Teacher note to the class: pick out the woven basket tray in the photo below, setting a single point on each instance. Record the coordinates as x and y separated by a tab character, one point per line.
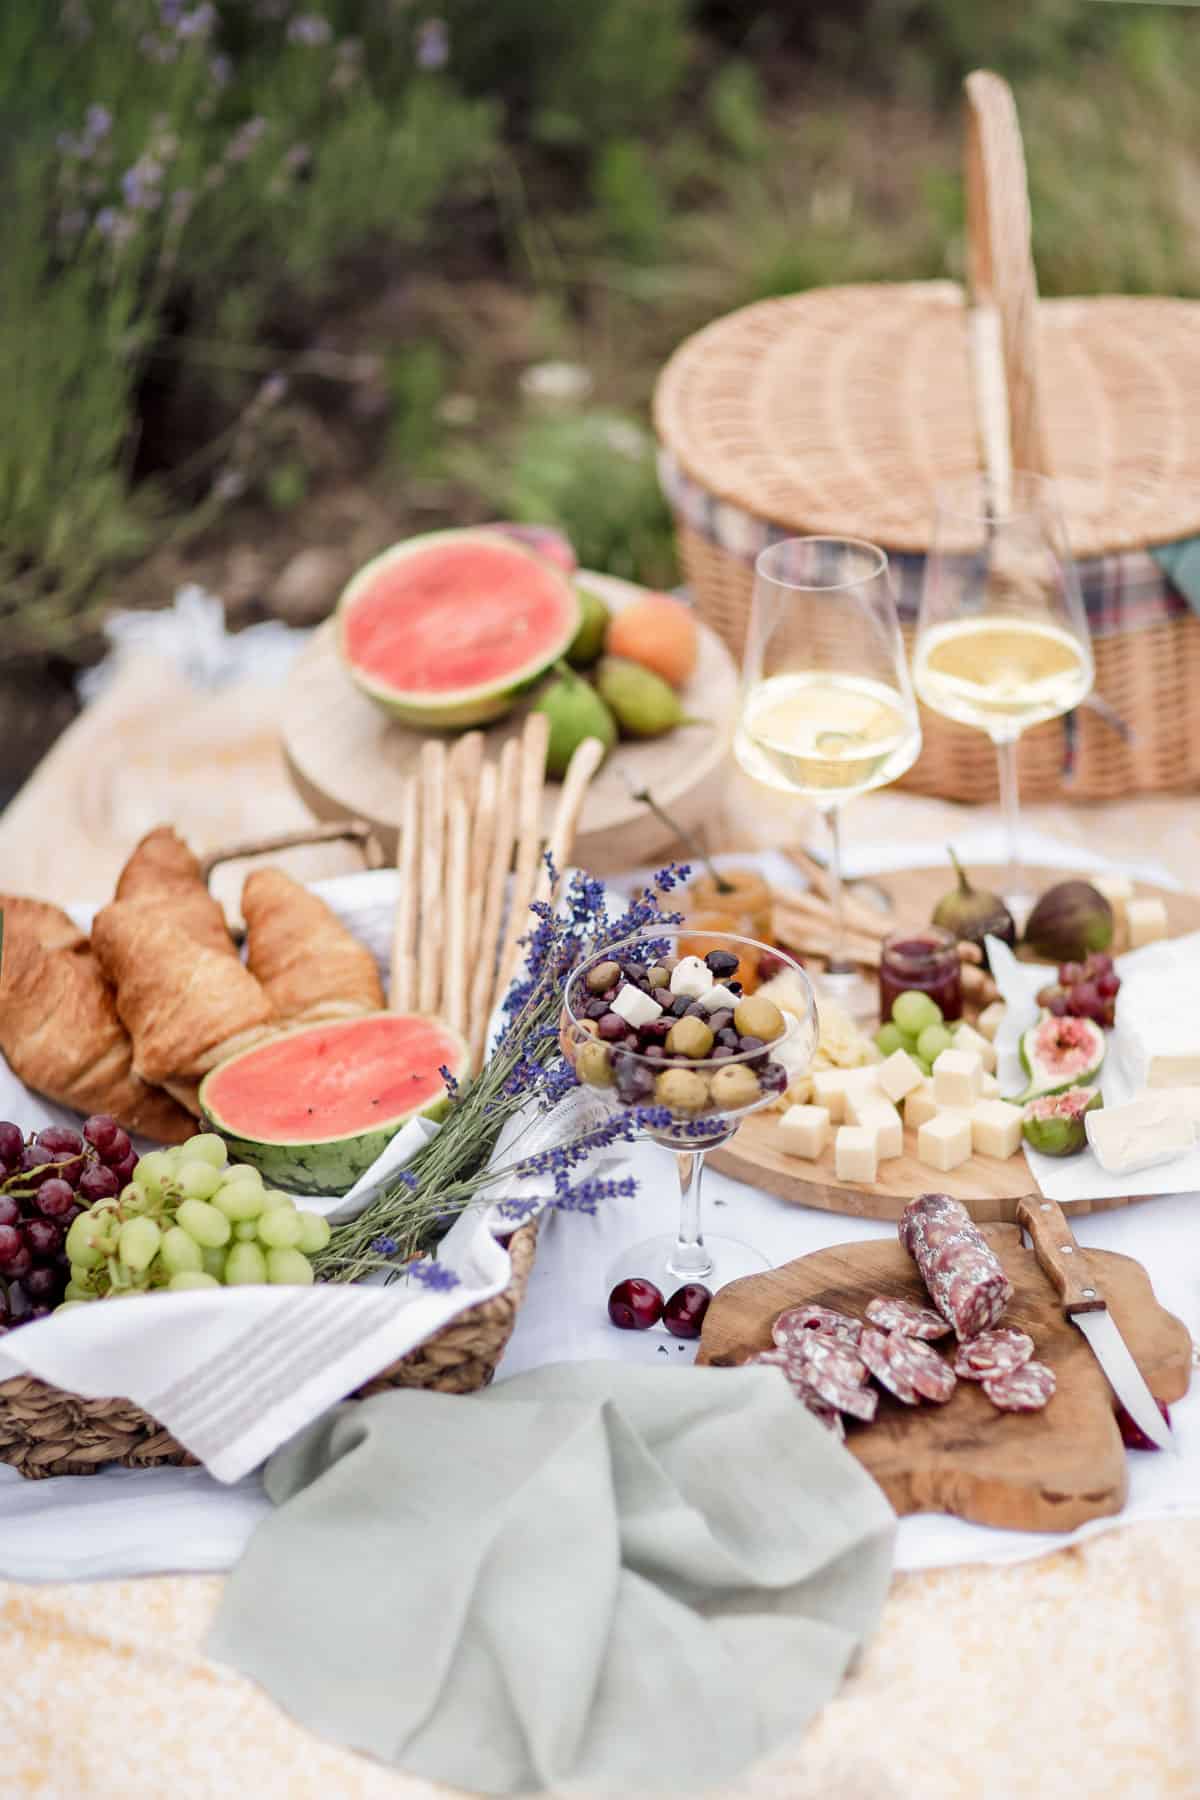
838	410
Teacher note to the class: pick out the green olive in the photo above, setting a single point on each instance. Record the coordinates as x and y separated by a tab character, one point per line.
689	1036
603	976
735	1086
681	1091
756	1017
658	977
594	1065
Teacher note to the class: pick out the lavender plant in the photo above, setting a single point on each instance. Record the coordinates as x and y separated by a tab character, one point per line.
526	1070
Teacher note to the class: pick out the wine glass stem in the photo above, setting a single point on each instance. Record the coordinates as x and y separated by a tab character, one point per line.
837	949
690	1259
1010	801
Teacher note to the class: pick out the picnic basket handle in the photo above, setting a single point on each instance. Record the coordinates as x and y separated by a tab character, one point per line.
1002	283
352	831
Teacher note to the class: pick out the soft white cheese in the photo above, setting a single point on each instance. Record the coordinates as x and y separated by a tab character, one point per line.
1139	1135
1147	921
713	999
635	1007
691	976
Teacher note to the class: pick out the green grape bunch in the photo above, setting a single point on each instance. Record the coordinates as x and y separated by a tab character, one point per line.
188	1218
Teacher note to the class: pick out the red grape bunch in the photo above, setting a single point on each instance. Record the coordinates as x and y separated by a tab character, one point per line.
1086	990
45	1183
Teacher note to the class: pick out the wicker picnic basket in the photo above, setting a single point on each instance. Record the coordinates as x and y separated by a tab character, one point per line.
838	410
45	1430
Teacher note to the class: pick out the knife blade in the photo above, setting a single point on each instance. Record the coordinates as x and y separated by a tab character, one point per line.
1083	1302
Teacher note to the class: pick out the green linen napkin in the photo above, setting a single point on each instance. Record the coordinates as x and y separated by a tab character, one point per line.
596	1575
1180	563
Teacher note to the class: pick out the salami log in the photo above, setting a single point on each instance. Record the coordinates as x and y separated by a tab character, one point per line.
891	1314
964	1276
1026	1389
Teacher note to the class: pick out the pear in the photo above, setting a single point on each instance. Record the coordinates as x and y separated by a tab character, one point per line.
575	711
643	704
594	618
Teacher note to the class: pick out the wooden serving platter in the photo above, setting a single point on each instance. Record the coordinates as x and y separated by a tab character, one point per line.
988	1188
346	757
1043	1471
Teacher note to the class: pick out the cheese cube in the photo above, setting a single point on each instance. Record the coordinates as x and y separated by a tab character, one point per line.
691	976
635	1007
862	1082
717	999
945	1142
919	1106
989	1087
898	1075
829	1091
880	1116
988	1022
805	1131
855	1154
957	1079
985	1050
1147	922
995	1128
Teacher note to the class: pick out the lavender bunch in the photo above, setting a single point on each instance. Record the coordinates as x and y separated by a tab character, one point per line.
416	1209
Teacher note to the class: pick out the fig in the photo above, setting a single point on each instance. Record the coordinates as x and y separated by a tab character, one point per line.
1054	1123
575	711
972	914
643	704
594	618
1058	1054
1070	921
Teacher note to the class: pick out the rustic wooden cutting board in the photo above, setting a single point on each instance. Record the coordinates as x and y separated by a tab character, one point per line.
1044	1471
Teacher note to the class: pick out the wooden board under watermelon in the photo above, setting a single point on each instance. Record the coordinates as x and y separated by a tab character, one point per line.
1044	1471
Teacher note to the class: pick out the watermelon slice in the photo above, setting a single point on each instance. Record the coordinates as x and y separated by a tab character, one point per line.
312	1109
448	629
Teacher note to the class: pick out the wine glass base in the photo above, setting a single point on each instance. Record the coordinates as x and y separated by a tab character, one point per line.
849	989
657	1259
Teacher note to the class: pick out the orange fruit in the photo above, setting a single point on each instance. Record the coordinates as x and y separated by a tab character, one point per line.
658	632
747	969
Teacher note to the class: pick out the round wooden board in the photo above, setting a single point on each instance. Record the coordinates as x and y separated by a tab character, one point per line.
990	1189
346	756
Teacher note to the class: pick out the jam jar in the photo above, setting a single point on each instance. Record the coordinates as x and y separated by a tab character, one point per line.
926	960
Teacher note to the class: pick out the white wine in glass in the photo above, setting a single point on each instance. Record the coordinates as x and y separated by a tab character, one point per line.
1002	638
827	708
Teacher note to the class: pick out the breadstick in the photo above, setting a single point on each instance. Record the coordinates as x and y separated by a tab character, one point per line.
855	913
534	738
454	993
433	853
583	765
464	763
805	942
814	907
482	831
500	861
402	994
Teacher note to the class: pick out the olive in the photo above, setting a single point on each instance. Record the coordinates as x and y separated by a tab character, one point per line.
689	1037
680	1005
750	1043
594	1065
682	1090
735	1087
658	977
722	963
720	1055
727	1037
774	1078
634	1080
756	1017
604	975
719	1020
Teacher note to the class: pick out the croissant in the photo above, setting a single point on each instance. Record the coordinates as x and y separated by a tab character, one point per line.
186	1007
163	873
59	1029
310	966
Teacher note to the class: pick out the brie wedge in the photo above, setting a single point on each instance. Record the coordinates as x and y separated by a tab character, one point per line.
1142	1134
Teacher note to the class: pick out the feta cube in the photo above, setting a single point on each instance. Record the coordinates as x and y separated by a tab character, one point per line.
635	1007
944	1142
829	1091
855	1154
880	1116
862	1082
957	1079
995	1128
691	976
967	1039
919	1106
804	1131
715	998
989	1020
898	1075
989	1087
1147	922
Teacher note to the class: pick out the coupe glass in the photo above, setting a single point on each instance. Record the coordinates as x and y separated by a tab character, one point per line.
690	1254
827	708
1002	637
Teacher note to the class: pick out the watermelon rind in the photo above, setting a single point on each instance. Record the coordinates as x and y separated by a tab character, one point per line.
481	704
319	1165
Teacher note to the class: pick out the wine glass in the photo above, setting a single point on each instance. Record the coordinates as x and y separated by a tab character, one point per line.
827	707
677	983
1002	636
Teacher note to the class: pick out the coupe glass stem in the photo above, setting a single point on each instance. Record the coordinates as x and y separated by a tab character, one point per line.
836	960
1010	801
690	1259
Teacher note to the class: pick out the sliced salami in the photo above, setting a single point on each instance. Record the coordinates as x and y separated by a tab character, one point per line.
997	1352
873	1348
921	1366
963	1369
824	1321
836	1358
829	1417
892	1314
964	1276
857	1402
1024	1389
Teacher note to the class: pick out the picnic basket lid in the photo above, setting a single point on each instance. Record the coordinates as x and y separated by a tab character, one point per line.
839	409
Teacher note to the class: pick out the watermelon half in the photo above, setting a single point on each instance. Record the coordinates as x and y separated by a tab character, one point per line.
447	629
312	1109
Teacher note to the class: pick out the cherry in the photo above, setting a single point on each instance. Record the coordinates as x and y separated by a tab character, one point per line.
683	1315
1132	1435
635	1304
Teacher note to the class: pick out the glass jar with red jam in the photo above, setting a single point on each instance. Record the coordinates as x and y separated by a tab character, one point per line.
925	960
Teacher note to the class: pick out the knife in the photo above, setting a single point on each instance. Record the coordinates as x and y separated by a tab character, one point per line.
1068	1267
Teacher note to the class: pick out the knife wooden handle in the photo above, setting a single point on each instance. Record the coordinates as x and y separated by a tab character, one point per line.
1059	1255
